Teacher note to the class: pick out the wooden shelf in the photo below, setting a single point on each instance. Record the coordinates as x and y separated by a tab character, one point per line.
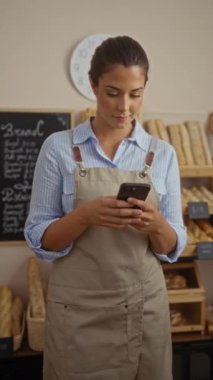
191	337
196	171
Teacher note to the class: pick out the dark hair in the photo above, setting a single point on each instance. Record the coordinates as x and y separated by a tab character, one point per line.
122	50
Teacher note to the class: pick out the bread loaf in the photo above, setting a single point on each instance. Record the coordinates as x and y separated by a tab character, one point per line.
206	227
196	194
175	281
175	138
5	312
198	234
177	318
211	122
162	130
17	314
196	142
186	145
151	128
206	149
36	295
189	195
207	193
88	112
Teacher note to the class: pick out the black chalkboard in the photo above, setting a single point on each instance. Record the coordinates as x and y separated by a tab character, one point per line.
21	136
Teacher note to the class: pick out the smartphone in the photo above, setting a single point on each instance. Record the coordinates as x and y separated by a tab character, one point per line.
133	190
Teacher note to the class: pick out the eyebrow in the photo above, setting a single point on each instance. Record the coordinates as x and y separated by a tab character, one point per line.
118	89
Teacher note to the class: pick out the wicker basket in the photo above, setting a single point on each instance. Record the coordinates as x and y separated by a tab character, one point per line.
35	329
17	340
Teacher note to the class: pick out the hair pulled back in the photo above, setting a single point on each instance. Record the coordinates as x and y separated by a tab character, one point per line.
122	50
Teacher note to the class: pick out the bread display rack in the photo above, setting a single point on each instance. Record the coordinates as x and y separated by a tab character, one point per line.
186	295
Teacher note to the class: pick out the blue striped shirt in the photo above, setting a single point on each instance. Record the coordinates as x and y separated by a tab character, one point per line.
53	183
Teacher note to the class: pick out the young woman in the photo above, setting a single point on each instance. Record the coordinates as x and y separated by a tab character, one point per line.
107	311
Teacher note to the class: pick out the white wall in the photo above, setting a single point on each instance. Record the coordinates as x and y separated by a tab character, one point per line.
38	36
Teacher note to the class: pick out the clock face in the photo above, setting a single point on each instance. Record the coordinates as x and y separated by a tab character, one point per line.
80	63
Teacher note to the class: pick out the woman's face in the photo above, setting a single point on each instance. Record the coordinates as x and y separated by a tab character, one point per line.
119	96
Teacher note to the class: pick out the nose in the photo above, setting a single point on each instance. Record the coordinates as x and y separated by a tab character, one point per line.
123	103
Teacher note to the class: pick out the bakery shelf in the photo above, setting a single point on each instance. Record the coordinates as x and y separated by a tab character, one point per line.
196	171
192	312
191	274
186	300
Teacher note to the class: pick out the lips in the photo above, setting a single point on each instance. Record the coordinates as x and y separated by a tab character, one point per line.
122	117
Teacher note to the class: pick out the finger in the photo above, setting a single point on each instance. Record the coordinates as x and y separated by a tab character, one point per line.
121	212
143	205
106	220
135	202
113	202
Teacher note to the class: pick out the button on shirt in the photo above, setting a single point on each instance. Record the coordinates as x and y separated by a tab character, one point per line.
53	184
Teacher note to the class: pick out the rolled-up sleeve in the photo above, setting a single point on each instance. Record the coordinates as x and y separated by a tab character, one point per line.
46	203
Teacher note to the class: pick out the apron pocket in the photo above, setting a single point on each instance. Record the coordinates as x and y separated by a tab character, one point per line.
95	338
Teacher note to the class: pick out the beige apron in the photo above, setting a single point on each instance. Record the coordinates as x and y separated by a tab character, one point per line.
107	313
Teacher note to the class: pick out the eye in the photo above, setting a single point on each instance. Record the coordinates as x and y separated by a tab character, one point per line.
112	94
136	95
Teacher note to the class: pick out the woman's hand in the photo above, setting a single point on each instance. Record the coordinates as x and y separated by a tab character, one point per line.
106	211
109	212
162	236
151	218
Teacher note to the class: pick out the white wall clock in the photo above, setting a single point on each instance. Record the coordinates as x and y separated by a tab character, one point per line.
80	63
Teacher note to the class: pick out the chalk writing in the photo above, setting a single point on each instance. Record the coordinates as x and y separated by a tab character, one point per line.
21	137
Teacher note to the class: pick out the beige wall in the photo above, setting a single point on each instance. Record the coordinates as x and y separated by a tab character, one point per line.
38	36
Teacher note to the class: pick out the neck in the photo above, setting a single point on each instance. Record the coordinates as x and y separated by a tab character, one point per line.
110	139
107	133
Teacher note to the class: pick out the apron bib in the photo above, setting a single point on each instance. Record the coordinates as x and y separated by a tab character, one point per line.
107	313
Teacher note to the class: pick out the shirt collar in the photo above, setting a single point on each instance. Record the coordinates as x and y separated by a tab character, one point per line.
140	137
84	132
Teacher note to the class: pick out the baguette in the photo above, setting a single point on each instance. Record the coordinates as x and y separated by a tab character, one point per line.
175	139
186	145
87	113
197	232
151	128
205	145
211	122
196	143
198	193
189	195
36	295
207	193
5	312
17	314
206	227
162	131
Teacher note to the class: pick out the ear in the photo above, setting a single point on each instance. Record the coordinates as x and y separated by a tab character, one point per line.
93	86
